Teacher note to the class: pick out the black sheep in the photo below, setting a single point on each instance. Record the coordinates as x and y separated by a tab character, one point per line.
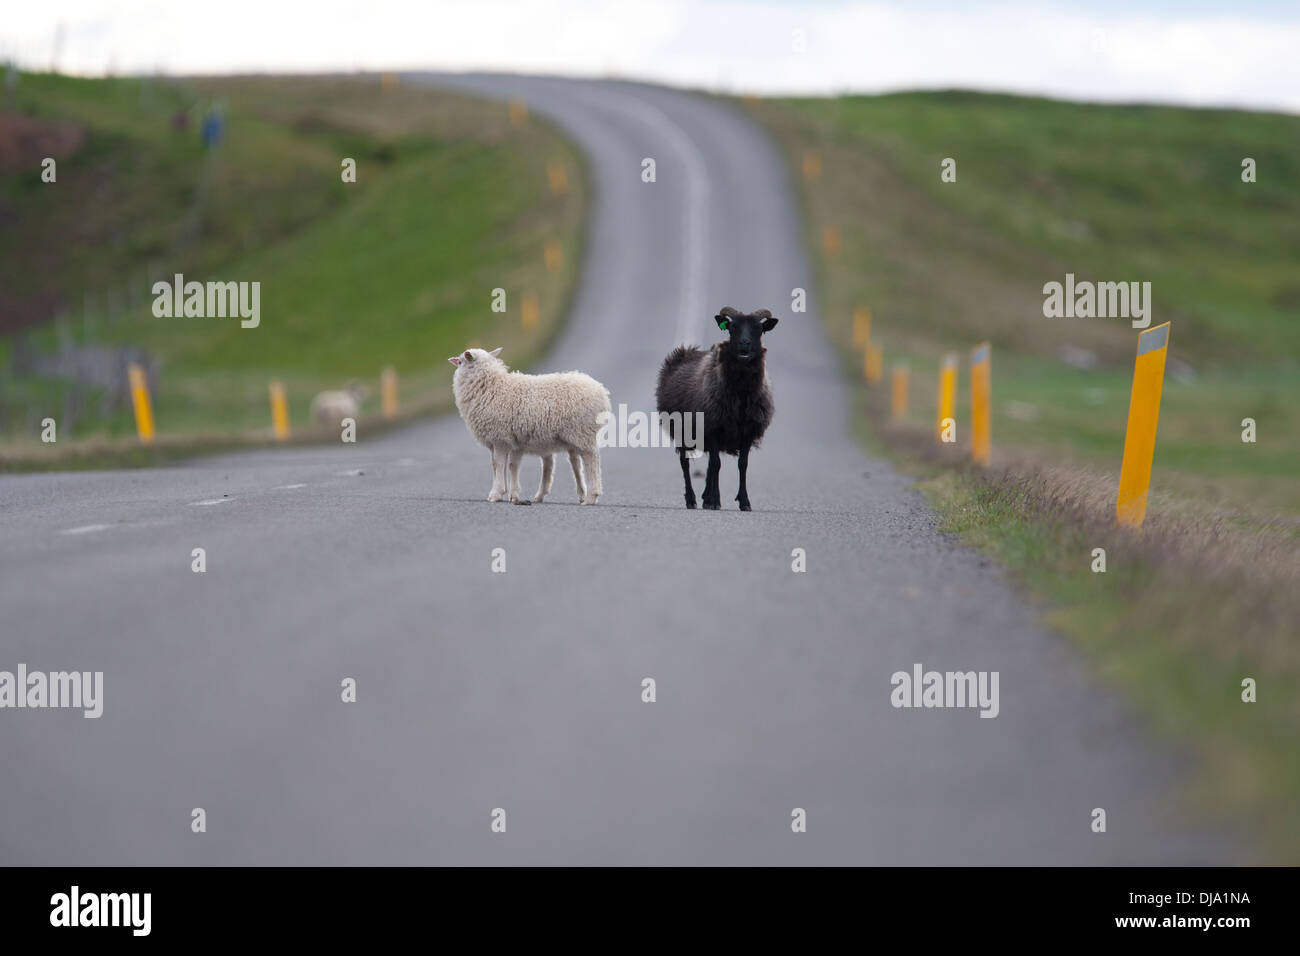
728	384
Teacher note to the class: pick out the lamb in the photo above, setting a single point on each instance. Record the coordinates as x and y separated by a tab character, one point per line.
728	383
330	408
513	414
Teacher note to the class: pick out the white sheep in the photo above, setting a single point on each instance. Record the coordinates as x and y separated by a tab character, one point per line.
330	408
513	414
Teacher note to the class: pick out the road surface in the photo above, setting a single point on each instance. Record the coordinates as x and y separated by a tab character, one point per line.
522	690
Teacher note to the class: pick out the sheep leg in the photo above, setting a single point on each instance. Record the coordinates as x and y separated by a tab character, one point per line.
499	455
712	497
686	477
743	495
576	463
548	476
591	468
515	460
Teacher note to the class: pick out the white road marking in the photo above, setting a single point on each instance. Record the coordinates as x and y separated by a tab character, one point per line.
351	474
289	487
85	529
212	501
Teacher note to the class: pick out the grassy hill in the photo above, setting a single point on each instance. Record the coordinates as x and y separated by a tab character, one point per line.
1108	193
1207	594
451	201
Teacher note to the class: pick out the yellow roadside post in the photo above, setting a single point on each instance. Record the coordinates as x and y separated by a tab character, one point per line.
898	392
140	402
981	437
279	412
388	392
1140	435
554	255
388	81
947	394
812	165
861	326
831	240
875	361
518	112
531	311
558	178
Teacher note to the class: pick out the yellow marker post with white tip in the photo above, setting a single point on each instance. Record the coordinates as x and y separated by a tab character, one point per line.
1140	435
388	392
981	443
861	326
947	393
553	254
140	402
874	359
279	412
898	392
531	312
558	178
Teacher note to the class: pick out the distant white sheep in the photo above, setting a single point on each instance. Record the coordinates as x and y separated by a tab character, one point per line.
513	414
330	408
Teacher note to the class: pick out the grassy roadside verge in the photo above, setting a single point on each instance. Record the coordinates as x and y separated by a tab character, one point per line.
1206	595
451	201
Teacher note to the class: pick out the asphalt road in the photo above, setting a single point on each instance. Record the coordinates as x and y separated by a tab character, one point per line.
523	690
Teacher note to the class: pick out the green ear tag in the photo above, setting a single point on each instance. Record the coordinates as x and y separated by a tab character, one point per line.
723	324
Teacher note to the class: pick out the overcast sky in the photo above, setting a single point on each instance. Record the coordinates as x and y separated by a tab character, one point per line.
1192	52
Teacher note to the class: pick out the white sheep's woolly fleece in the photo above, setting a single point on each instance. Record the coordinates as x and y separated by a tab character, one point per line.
530	414
330	408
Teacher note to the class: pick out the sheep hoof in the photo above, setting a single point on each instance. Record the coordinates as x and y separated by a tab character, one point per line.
495	497
712	505
591	500
744	506
538	500
690	504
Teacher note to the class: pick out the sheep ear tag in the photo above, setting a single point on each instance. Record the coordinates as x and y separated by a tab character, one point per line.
723	322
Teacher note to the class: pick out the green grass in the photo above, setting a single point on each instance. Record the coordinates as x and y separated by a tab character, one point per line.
1206	594
451	202
1112	192
1180	653
1074	416
1123	193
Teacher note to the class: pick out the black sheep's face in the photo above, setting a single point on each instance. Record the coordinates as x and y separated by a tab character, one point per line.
746	331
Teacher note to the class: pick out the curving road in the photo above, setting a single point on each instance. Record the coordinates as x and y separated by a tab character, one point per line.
523	690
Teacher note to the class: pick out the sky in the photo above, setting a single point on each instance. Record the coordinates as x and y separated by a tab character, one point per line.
1190	52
